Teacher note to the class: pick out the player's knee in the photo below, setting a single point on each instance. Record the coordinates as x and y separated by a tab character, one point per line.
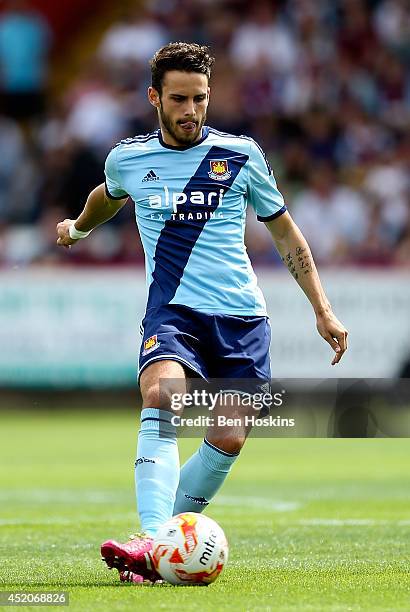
155	397
229	442
158	395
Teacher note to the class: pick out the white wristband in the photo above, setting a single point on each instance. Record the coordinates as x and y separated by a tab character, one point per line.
76	234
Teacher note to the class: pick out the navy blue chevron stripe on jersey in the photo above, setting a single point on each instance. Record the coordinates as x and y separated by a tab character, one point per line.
178	236
227	135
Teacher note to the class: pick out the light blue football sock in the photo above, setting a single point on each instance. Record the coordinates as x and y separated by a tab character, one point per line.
156	468
201	477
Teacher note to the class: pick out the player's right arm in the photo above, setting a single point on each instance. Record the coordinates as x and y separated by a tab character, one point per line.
98	209
102	204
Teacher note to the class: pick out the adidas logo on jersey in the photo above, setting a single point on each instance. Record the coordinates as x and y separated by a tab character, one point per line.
151	176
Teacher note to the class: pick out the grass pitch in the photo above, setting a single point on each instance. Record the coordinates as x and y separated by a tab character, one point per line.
312	524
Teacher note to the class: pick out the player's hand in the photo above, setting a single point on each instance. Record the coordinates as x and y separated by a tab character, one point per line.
330	328
63	234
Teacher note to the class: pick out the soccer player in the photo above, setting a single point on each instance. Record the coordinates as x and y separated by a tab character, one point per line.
205	314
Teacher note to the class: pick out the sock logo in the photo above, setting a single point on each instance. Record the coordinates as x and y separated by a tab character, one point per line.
143	460
198	500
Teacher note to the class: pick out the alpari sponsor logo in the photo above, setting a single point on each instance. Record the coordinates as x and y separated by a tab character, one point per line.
209	549
176	199
141	460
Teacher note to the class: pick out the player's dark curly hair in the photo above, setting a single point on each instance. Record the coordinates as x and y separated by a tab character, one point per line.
188	57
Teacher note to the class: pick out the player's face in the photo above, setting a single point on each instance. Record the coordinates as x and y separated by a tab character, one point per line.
182	106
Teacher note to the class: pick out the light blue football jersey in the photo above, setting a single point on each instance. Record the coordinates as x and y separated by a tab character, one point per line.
190	206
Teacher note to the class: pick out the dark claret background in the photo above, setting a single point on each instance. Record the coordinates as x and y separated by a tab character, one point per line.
324	87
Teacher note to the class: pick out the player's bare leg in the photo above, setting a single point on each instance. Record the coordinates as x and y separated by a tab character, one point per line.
159	381
156	471
230	437
205	472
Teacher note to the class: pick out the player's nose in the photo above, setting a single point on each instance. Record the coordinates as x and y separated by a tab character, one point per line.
189	110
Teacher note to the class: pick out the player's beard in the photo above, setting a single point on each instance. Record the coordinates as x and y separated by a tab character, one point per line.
178	134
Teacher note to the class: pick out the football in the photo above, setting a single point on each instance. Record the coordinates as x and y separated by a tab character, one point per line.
190	549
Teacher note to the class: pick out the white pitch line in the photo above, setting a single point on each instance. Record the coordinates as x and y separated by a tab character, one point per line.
131	516
66	496
257	502
55	520
76	497
350	522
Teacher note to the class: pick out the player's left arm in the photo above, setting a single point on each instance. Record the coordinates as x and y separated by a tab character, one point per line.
296	255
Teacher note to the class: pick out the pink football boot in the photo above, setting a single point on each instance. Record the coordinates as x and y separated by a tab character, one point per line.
133	556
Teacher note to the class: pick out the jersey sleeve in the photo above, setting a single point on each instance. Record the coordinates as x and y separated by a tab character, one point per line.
263	193
113	186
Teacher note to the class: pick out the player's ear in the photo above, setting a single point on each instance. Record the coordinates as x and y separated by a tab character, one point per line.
153	97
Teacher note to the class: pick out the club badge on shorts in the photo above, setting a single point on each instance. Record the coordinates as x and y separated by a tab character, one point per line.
219	170
150	345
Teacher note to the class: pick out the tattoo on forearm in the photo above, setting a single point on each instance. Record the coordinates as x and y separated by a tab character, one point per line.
288	261
304	260
303	263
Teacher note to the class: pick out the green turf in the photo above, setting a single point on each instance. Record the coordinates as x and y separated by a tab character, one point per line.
312	524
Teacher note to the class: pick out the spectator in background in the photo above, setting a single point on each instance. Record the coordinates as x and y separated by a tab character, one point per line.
402	253
356	38
264	37
323	86
333	216
24	48
388	184
11	140
18	176
391	20
97	118
133	39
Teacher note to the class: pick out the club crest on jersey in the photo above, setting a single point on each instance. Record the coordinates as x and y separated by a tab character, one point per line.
150	345
219	170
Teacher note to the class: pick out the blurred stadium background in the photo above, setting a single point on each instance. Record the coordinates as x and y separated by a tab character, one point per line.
324	87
